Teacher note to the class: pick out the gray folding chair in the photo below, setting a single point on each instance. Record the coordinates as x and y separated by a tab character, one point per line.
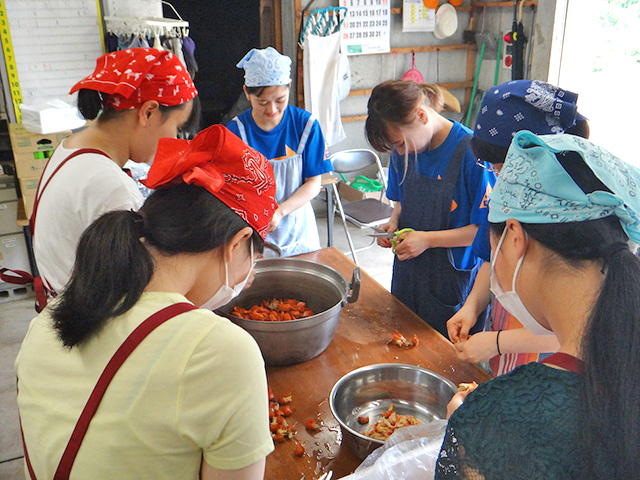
366	213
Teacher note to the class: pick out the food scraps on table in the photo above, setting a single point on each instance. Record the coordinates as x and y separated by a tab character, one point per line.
274	310
467	387
280	428
299	451
399	340
389	422
312	425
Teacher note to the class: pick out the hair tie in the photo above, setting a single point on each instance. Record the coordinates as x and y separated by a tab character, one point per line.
611	250
140	220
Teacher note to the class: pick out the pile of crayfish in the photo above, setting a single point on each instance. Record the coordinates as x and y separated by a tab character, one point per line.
389	422
274	310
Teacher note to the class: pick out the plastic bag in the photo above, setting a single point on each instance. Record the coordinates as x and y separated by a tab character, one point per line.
410	453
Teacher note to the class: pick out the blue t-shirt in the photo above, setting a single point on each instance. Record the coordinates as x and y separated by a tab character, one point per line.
283	140
469	204
481	247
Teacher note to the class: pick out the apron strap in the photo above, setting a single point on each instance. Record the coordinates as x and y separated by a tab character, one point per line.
455	164
241	129
40	285
305	135
15	277
128	346
566	361
453	173
40	191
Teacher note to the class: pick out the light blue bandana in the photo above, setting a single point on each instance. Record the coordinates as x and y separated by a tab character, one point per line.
533	187
265	68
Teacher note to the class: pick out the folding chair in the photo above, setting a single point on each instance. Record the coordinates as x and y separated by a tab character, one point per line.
366	213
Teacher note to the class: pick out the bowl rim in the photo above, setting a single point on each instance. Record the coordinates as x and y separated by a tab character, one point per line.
338	305
371	367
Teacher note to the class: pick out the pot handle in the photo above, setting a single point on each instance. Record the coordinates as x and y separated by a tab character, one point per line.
354	287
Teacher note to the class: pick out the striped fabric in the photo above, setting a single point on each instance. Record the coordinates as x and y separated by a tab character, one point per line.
503	320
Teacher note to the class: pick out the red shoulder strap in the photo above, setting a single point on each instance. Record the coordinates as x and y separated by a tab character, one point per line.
15	277
39	191
566	361
129	345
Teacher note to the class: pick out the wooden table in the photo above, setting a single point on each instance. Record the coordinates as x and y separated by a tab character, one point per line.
360	339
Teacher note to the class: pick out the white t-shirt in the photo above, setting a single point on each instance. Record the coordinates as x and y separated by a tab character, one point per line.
84	188
196	386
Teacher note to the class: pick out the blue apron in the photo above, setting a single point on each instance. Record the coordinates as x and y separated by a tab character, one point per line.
429	284
297	232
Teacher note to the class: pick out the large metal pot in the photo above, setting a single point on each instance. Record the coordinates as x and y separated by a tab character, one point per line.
324	290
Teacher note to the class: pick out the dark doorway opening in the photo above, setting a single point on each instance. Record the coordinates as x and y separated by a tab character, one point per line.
223	32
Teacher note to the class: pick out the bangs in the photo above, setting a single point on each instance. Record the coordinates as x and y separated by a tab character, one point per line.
378	134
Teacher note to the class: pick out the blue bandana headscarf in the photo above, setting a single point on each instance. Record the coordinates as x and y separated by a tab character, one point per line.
525	105
533	187
265	68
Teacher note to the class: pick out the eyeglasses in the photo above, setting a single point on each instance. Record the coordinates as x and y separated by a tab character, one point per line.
486	166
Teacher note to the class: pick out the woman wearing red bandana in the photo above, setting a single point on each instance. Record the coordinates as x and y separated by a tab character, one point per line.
186	398
137	96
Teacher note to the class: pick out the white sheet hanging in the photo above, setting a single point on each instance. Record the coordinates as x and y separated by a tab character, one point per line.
320	62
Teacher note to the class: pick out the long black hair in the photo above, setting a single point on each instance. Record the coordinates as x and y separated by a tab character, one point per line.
610	411
113	266
93	104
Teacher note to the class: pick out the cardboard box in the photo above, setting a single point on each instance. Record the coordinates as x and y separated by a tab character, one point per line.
31	164
24	141
351	194
29	186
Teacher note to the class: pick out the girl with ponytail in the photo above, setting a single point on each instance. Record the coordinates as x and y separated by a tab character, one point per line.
562	215
136	96
438	191
129	362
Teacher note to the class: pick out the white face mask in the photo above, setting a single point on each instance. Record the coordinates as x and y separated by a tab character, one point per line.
226	293
510	300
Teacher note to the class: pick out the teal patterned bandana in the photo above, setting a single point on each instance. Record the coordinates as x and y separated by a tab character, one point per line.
533	187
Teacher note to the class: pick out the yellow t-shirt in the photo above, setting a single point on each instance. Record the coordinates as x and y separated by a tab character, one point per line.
195	387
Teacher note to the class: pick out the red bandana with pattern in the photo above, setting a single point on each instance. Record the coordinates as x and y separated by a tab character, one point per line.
227	167
131	77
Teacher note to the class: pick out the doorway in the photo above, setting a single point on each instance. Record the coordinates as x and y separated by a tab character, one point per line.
600	61
223	33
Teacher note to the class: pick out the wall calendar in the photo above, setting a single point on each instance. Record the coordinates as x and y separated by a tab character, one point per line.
366	28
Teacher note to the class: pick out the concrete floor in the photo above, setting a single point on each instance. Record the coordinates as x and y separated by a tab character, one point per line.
16	314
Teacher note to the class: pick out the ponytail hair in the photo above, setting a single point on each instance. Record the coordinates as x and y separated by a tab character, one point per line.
393	104
111	270
609	410
113	265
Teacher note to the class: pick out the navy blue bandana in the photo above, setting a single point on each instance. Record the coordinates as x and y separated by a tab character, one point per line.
525	105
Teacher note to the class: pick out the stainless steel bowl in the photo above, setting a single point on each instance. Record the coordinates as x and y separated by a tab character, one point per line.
325	292
368	392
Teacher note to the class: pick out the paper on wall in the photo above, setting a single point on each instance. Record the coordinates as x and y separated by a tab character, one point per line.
367	27
416	17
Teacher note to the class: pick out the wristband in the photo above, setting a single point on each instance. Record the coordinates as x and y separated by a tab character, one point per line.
498	342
